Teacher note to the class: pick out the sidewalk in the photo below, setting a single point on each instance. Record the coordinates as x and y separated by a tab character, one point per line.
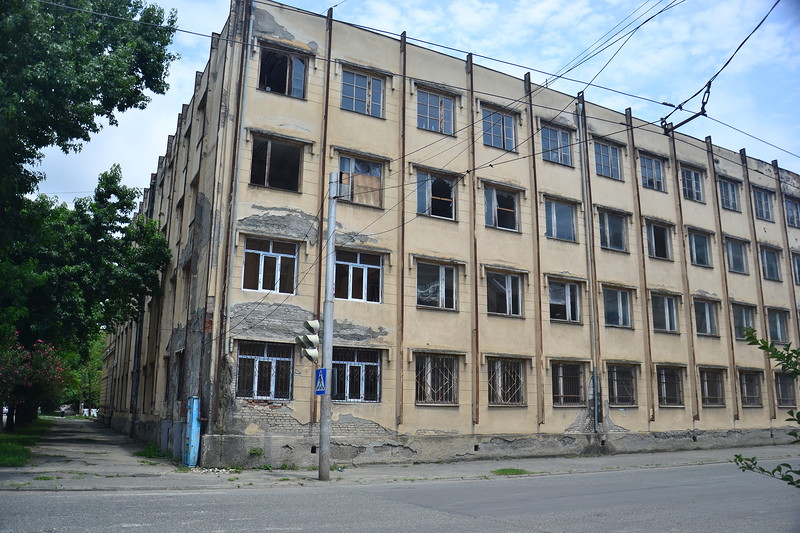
82	455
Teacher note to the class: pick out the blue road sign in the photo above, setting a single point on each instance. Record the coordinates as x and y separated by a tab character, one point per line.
319	379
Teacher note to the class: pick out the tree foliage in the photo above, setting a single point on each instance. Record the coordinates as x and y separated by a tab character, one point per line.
789	360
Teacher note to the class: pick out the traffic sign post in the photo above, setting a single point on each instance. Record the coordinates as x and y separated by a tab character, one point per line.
320	380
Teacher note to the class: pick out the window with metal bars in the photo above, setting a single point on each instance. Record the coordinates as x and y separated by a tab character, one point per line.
670	386
712	392
506	381
785	389
436	379
264	371
750	386
356	375
621	385
568	389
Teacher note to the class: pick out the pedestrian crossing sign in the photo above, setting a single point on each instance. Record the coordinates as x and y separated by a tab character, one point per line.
320	381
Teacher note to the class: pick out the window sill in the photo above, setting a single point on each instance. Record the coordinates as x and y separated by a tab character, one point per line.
343	201
752	406
667	259
362	114
559	163
614	250
695	201
731	209
709	335
792	406
513	151
739	273
703	266
268	187
299	98
507	405
263	291
774	280
436	217
354	300
565	322
504	315
714	406
570	406
667	332
630	328
425	404
662	191
509	230
612	178
453	135
622	406
764	219
559	239
431	308
660	406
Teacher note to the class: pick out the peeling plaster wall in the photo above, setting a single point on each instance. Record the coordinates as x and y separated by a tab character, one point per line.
282	223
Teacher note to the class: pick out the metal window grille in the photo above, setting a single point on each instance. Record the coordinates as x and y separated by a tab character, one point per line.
568	386
712	390
621	385
436	379
506	382
670	387
265	371
785	389
750	384
356	375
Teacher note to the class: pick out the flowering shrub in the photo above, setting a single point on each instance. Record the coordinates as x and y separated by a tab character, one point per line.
35	374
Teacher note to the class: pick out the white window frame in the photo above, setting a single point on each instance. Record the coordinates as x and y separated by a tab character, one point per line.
621	299
362	269
499	128
743	318
729	195
606	158
793	212
443	121
606	221
426	200
763	204
351	188
511	289
373	88
700	246
366	360
651	245
692	184
770	263
447	281
493	210
778	323
264	257
556	145
652	169
705	317
572	300
554	211
739	246
665	308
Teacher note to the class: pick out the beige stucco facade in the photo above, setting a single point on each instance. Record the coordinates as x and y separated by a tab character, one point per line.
519	272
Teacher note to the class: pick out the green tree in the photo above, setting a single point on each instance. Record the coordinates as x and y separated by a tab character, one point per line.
789	360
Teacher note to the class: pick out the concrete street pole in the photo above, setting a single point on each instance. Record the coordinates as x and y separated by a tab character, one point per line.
325	412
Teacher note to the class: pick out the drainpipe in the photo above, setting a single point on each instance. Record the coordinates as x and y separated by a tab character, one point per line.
476	357
401	309
137	357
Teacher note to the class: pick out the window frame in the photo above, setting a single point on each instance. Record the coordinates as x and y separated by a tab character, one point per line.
274	369
293	58
511	294
707	311
572	301
770	270
692	184
623	307
781	387
425	198
257	171
763	204
745	317
651	245
669	308
715	397
729	199
270	255
372	97
441	121
493	210
611	157
796	268
349	190
792	211
778	325
561	397
730	243
665	399
652	170
365	268
695	258
337	364
506	138
606	242
616	381
424	368
556	145
504	392
750	388
552	207
443	281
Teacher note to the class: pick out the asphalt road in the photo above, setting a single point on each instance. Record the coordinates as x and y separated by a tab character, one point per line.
698	498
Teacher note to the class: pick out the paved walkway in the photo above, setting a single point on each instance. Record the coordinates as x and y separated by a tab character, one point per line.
82	455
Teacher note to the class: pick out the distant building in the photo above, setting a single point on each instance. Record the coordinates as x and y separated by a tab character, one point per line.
518	272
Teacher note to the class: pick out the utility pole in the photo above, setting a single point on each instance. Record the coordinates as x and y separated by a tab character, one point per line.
325	411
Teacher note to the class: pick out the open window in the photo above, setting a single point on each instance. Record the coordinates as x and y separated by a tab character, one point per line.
276	163
282	73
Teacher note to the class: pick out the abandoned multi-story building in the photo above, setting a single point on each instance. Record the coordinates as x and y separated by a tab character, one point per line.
517	271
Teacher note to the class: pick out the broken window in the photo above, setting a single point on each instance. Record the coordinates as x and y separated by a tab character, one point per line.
504	294
712	392
436	379
501	208
565	303
556	145
498	129
435	195
658	241
613	229
699	249
506	381
606	158
568	384
360	181
560	220
621	385
356	375
670	386
664	315
434	112
436	286
692	181
276	163
358	276
362	93
705	317
785	389
750	386
652	177
269	265
265	371
617	304
282	73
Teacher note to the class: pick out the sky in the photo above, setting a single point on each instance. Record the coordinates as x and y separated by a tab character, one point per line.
668	59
